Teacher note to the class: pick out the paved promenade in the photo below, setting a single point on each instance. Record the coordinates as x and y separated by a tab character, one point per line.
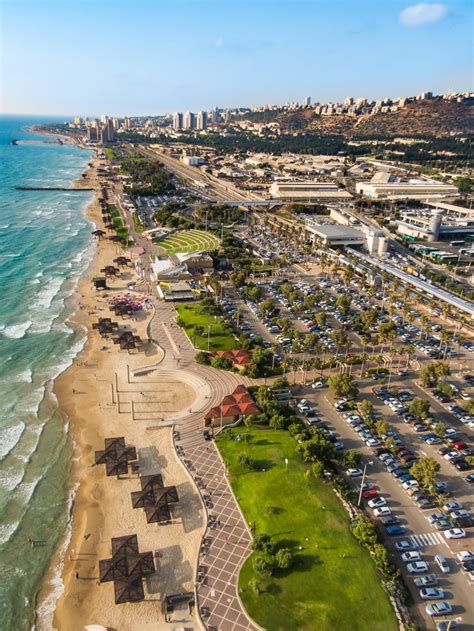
227	541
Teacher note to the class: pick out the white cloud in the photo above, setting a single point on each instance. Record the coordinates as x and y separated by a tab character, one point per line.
423	13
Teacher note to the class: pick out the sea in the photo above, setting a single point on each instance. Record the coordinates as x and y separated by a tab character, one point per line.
45	246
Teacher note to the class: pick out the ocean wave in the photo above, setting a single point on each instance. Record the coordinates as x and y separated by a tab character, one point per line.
7	530
10	437
16	331
11	255
5	226
46	295
25	375
45	610
10	482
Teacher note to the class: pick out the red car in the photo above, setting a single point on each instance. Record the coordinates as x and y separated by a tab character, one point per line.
459	444
370	494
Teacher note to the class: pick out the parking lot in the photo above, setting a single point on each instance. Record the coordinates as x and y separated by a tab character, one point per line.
422	530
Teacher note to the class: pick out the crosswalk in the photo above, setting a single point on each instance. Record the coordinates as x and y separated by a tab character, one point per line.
427	539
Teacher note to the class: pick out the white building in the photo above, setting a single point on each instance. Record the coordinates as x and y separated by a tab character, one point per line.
177	120
189	120
307	191
201	120
414	189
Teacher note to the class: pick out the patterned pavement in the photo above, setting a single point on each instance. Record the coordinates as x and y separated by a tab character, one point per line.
227	542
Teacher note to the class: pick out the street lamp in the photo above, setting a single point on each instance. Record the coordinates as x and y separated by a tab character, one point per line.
363	479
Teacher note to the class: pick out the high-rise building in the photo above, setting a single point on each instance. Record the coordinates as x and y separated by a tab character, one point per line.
109	125
127	123
201	120
307	101
92	135
117	123
189	120
178	120
77	120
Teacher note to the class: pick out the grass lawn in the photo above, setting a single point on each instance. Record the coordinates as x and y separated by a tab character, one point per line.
189	241
194	314
332	584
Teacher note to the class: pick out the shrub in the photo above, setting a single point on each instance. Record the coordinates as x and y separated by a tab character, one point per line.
246	462
202	358
284	558
263	543
264	564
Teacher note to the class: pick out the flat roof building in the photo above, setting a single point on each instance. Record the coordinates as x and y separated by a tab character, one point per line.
334	235
406	190
308	191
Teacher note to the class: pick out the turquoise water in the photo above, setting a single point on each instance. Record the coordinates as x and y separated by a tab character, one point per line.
45	245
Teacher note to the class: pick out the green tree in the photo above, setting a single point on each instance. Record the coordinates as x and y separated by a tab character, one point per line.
263	543
284	558
246	462
264	564
419	408
342	385
351	459
318	469
382	559
425	471
382	428
364	531
365	407
440	429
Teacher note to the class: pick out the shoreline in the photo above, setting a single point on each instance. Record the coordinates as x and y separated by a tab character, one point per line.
53	576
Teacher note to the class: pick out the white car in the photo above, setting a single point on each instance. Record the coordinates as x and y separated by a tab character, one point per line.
383	511
465	555
418	567
354	473
317	384
409	557
410	484
377	502
373	442
455	533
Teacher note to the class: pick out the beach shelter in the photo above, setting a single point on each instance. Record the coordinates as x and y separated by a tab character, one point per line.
128	544
159	513
116	467
126	565
155	480
128	591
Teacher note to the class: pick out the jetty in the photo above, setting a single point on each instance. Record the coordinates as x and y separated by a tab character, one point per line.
51	188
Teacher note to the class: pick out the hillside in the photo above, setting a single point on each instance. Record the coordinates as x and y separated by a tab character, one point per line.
431	118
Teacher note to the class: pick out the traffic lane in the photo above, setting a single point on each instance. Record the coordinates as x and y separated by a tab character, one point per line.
414	519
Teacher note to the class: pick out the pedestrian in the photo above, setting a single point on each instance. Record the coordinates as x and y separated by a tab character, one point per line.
226	540
77	575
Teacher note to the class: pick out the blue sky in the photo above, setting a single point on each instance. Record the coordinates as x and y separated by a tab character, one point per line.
152	56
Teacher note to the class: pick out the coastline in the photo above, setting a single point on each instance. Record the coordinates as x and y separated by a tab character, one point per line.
51	585
70	596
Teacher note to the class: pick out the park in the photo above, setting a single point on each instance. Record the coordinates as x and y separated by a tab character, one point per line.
304	515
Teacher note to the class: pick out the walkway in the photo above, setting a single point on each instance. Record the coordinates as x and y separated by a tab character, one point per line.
227	542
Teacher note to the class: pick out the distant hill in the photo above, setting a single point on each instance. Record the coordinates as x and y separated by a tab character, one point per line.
429	117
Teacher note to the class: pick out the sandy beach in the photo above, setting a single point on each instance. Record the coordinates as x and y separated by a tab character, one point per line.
87	395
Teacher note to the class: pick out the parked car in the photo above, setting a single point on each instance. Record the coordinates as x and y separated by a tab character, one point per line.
442	563
431	593
395	530
427	580
377	502
409	557
438	609
418	567
354	473
404	544
455	533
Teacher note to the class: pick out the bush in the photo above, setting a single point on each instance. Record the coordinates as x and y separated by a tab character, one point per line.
263	543
318	470
264	564
284	558
246	462
202	358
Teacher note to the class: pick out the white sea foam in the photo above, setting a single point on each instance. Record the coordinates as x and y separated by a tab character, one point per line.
7	530
45	610
46	295
9	438
4	226
25	375
10	482
16	331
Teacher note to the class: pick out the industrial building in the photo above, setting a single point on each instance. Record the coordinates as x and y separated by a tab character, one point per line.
436	224
413	189
332	235
308	191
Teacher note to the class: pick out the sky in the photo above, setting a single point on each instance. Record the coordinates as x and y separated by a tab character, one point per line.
148	57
